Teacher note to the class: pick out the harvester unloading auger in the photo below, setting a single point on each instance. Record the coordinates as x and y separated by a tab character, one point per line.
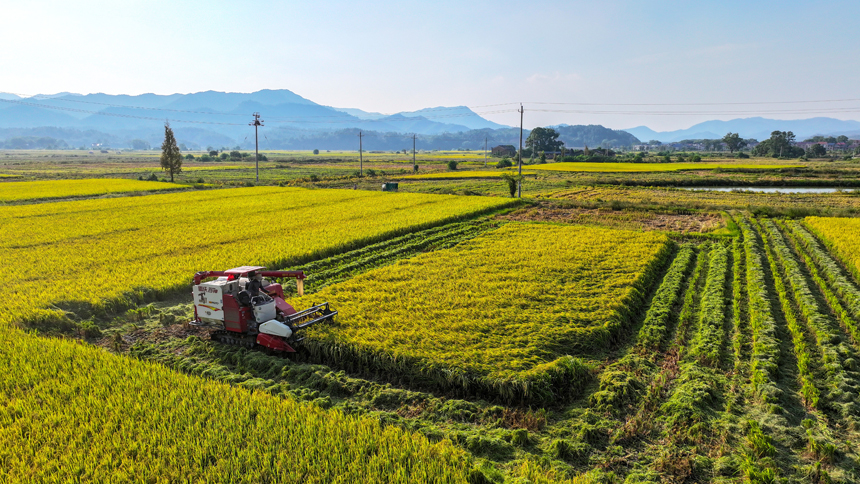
252	311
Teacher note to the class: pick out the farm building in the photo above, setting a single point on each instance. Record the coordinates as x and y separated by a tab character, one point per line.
505	150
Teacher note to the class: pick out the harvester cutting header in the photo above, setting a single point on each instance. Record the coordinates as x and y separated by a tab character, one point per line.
251	310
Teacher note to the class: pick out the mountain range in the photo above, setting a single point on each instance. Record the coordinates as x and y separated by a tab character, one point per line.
220	119
217	118
757	128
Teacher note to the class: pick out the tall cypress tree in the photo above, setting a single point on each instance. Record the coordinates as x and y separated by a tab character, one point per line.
171	158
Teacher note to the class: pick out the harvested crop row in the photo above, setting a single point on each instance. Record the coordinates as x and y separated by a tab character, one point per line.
737	295
497	314
765	346
691	297
129	248
74	413
829	267
43	190
710	334
809	391
621	382
686	413
655	327
848	323
834	351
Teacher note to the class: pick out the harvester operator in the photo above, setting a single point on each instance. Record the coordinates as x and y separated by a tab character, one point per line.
255	284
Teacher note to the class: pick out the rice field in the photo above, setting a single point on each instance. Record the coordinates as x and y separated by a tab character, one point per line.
73	413
499	313
42	190
134	248
466	349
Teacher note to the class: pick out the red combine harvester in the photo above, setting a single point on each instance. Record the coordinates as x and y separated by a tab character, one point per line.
251	310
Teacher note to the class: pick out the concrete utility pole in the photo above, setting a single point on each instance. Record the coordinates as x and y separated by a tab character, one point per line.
256	123
485	151
360	158
414	166
520	157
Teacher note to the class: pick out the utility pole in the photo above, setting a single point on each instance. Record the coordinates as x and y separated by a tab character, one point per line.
360	158
520	157
485	151
256	123
414	166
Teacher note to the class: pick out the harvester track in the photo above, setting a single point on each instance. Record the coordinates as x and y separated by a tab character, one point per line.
234	339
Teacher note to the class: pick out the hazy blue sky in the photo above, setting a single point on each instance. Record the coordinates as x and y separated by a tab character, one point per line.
402	55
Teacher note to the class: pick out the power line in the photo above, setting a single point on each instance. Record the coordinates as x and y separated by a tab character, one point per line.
853	109
704	104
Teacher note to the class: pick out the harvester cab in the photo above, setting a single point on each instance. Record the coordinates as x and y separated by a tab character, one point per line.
250	310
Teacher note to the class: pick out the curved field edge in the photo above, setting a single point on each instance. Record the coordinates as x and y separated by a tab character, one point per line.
21	191
69	411
165	257
562	376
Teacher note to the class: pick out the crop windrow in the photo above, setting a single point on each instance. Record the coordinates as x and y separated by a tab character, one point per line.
847	322
691	407
691	300
835	353
707	344
808	389
828	267
739	317
656	324
765	344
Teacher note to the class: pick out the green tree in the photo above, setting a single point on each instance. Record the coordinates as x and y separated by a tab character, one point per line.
734	142
544	139
779	145
816	151
316	152
171	157
842	139
512	182
452	165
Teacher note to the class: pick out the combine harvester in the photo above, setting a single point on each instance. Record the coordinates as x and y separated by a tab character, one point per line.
252	311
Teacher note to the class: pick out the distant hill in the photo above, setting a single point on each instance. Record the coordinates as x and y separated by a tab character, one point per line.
358	113
758	128
594	135
457	115
461	115
217	115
